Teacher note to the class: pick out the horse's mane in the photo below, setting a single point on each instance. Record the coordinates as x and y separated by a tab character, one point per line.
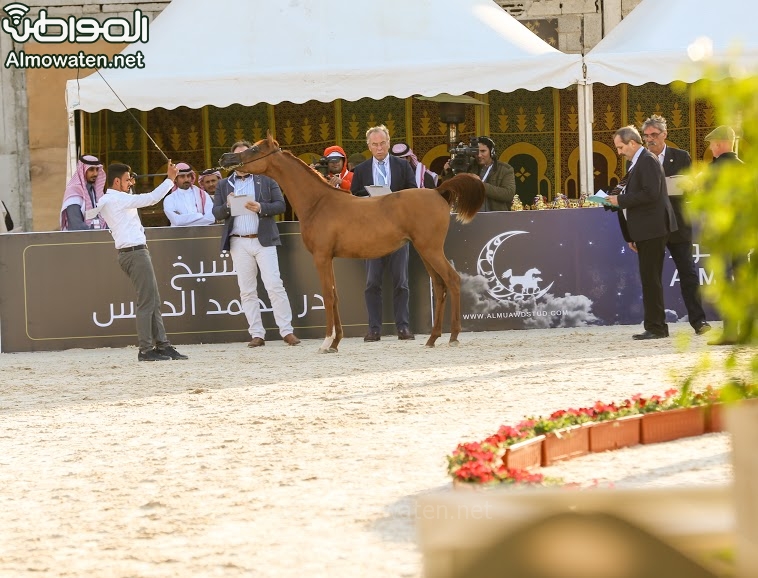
311	172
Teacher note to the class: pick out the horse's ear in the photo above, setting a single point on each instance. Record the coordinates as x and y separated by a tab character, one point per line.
269	136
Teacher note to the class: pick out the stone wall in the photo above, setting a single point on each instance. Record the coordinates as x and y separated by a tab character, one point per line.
581	23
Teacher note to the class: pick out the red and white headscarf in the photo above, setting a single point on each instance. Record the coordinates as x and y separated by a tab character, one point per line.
200	194
76	189
402	150
207	173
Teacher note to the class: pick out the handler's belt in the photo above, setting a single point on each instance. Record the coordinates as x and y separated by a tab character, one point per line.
134	248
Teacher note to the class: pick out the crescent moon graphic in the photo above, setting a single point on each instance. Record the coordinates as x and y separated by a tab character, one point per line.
486	268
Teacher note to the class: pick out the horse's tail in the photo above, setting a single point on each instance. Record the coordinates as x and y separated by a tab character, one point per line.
465	195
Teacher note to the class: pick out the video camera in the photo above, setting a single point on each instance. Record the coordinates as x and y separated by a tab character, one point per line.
461	156
322	166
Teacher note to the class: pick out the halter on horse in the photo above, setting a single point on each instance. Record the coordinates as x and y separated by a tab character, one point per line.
333	225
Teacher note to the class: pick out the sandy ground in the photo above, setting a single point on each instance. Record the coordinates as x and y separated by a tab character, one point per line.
282	462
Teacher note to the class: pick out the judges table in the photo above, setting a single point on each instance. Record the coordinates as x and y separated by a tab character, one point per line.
519	270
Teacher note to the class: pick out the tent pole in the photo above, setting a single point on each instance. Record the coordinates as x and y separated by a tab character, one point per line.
71	164
586	168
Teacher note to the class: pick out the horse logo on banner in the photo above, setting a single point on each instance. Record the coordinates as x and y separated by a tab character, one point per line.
527	283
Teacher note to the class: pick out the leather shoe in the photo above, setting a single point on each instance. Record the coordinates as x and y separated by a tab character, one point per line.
405	334
372	336
649	335
256	342
703	328
291	339
169	351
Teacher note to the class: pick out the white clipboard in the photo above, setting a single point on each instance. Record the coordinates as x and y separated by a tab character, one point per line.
377	190
237	205
673	186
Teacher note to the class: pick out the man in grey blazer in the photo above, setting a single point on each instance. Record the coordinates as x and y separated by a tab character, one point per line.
646	222
251	238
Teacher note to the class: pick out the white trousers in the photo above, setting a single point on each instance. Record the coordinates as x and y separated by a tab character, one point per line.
249	256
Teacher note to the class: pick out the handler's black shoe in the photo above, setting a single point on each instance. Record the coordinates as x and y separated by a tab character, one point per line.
151	355
649	335
703	328
170	352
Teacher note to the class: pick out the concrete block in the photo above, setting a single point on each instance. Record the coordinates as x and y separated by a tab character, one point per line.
570	43
570	24
543	9
593	30
611	15
119	8
627	6
578	7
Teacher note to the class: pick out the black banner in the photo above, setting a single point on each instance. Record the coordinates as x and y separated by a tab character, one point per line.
519	270
552	268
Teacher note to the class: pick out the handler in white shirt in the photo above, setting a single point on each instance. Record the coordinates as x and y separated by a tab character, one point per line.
188	204
119	208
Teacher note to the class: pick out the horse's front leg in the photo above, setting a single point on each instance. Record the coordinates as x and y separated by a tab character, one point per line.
329	293
337	322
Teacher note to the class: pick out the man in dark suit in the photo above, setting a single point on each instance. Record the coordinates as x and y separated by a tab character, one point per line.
675	161
393	172
251	238
646	221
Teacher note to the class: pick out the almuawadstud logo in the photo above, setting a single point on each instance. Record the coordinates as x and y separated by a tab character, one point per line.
74	29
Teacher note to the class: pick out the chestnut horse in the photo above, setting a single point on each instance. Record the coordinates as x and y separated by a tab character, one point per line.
335	224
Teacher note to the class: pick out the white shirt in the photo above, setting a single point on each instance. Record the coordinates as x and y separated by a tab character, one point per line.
635	157
181	208
246	224
120	211
378	178
662	156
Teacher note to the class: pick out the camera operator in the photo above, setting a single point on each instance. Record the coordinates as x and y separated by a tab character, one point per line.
333	167
498	177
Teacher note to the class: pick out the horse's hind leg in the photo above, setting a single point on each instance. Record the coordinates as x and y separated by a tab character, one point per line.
450	283
440	292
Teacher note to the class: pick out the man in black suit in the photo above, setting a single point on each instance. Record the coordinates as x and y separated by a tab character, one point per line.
252	238
393	172
646	221
674	161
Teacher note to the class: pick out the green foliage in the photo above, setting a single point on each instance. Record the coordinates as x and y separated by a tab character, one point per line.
725	202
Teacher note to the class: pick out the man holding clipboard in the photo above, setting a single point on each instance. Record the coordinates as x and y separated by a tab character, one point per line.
248	204
387	174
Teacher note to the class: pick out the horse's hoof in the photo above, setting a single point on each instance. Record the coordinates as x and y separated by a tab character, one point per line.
329	350
455	343
429	346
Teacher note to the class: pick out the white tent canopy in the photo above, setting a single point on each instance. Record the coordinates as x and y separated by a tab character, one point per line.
664	41
300	50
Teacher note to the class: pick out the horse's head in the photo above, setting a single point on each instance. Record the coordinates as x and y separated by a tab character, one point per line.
251	159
